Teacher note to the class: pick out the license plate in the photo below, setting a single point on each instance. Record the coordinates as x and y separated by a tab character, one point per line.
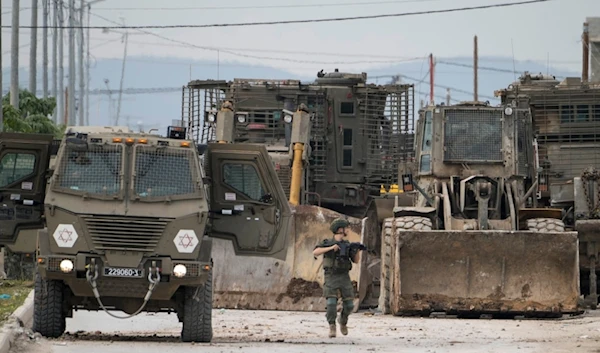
122	272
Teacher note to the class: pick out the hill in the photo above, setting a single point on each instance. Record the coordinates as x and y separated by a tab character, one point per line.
158	109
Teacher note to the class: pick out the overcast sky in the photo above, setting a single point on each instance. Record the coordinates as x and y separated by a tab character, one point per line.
535	31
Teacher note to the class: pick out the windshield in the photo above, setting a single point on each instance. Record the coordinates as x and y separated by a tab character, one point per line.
163	171
95	171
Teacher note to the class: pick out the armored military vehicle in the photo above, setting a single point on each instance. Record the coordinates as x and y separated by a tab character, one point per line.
566	125
130	218
470	245
336	144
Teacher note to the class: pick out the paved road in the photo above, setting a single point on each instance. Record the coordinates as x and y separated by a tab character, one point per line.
258	331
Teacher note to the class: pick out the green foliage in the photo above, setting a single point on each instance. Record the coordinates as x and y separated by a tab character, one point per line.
32	115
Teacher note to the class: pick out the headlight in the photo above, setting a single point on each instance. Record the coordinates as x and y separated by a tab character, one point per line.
179	270
508	111
211	118
241	119
66	266
287	119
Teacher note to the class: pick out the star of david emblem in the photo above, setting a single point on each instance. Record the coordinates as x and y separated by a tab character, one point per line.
186	241
65	235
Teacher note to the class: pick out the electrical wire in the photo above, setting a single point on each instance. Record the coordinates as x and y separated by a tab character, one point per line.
222	50
305	21
257	7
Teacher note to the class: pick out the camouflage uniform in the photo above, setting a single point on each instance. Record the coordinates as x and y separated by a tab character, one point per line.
337	281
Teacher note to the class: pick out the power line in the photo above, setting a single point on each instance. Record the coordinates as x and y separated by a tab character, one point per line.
335	19
485	68
222	50
257	7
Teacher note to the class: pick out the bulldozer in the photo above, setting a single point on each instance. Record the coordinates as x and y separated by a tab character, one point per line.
566	127
470	246
336	144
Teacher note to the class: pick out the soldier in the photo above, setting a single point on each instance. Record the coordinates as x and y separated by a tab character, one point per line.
337	275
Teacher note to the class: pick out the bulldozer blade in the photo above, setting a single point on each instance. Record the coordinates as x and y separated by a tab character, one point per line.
483	272
262	283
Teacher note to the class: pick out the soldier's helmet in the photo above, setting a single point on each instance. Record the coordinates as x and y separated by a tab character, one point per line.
338	223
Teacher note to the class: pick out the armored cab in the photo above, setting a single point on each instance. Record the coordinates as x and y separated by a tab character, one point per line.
129	218
566	126
357	135
469	245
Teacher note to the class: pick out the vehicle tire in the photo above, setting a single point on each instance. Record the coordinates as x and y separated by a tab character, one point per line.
545	225
49	318
197	313
404	223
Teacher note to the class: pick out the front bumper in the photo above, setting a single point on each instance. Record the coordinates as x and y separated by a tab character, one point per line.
123	285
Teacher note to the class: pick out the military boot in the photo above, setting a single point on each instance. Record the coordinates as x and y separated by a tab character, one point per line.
332	330
343	327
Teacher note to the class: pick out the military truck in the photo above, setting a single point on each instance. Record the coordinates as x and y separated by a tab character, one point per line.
336	144
471	246
127	220
566	125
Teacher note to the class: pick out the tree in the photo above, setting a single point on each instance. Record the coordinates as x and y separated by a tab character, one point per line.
32	115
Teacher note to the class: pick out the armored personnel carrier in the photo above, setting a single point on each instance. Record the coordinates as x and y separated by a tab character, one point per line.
128	220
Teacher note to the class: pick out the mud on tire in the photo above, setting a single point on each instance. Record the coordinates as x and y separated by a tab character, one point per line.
400	224
49	318
197	313
545	225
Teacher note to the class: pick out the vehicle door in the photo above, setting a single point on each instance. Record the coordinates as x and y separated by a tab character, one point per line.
248	204
24	162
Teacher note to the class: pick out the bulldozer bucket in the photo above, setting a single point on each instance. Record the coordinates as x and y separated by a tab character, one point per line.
262	283
481	272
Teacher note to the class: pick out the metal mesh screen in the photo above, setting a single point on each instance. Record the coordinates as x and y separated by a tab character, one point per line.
243	178
16	166
473	135
389	126
95	171
161	172
568	134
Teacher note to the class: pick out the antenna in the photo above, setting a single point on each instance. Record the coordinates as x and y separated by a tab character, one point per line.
513	58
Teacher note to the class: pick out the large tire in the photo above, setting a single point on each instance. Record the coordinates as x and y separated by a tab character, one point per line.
49	318
545	225
197	313
401	224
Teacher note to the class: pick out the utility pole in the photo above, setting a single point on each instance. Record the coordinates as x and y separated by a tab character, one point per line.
33	48
1	88
122	74
475	69
14	57
447	96
87	69
55	57
431	78
81	77
45	48
72	119
61	71
586	53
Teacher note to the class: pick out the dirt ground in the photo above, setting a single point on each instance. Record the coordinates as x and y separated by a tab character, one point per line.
257	331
